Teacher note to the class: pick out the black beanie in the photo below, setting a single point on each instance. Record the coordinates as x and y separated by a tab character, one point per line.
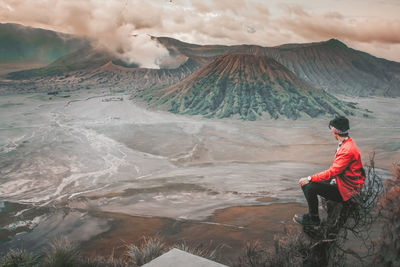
341	123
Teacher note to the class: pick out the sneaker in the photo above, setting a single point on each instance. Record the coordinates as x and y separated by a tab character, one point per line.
307	219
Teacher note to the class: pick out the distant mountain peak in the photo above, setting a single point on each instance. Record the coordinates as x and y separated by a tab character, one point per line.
335	42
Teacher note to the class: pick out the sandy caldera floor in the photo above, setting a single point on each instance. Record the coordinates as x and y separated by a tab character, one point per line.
227	229
99	169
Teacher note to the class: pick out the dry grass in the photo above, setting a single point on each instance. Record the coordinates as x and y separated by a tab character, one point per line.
61	253
19	257
150	249
290	250
205	251
154	247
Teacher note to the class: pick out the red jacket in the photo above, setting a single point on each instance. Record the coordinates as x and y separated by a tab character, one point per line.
347	169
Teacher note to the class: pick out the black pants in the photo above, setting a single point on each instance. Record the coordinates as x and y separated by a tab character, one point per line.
324	189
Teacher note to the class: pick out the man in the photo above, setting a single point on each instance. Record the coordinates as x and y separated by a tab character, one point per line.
341	181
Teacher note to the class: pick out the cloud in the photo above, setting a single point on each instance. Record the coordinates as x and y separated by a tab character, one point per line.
367	30
114	23
235	20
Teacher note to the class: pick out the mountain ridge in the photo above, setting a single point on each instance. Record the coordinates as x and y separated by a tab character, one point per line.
329	65
19	43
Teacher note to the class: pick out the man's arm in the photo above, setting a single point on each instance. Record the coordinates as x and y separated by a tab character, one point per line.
342	160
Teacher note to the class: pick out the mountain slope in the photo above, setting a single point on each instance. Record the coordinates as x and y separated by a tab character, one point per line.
20	43
336	68
248	87
85	58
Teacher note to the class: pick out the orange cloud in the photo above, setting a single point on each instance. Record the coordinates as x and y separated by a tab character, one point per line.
335	25
113	22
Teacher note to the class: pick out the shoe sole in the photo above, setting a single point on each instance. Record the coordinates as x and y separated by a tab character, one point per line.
294	219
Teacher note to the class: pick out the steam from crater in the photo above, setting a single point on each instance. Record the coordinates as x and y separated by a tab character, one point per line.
121	27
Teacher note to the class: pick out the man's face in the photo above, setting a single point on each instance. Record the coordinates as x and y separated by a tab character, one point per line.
335	135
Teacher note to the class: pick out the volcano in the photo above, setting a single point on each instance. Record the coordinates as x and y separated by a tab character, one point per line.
248	87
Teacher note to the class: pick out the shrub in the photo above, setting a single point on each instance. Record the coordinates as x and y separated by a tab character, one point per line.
200	250
150	249
388	251
290	249
19	257
61	253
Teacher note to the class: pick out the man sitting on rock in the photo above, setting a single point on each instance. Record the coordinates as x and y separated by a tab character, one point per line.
341	181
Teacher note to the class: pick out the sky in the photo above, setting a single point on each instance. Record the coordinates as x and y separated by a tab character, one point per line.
372	26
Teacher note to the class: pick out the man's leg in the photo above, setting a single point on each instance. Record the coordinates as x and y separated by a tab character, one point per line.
326	190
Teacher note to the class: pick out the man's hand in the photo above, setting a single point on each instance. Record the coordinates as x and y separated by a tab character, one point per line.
303	181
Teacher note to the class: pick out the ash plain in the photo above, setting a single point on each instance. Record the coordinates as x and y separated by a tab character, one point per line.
65	156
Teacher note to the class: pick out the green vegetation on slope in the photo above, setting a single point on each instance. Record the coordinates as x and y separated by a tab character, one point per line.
249	87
